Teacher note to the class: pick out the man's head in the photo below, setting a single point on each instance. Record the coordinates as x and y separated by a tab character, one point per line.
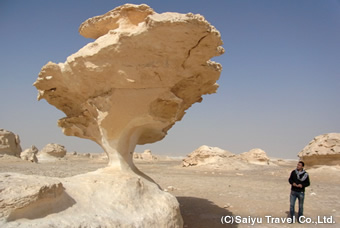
300	165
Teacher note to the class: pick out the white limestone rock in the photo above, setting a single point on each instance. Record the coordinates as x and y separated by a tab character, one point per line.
9	143
54	150
105	198
135	80
322	150
30	154
124	17
51	152
215	158
255	156
145	156
206	155
128	87
29	197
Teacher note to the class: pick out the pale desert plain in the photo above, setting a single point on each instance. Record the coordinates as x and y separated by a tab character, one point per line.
207	193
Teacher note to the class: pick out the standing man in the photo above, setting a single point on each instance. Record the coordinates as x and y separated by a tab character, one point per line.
299	179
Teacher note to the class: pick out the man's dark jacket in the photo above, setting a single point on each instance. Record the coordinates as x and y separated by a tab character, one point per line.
294	179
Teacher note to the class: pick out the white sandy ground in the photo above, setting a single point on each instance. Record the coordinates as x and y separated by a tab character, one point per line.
206	194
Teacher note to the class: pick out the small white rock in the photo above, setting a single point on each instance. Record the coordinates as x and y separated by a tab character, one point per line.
171	188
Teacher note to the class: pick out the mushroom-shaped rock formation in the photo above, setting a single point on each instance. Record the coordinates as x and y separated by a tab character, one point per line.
127	87
135	80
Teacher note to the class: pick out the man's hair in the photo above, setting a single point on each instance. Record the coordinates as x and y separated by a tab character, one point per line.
302	163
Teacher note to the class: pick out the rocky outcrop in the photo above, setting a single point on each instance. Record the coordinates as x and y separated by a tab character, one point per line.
255	156
215	158
128	87
34	197
104	198
9	143
30	154
51	152
206	155
322	150
135	80
54	150
145	156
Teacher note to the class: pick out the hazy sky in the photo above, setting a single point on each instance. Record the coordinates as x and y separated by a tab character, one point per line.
279	88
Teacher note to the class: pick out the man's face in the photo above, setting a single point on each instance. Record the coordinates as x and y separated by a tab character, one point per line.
299	166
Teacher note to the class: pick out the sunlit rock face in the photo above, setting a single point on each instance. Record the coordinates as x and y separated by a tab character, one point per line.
206	155
255	156
322	150
129	86
133	82
9	143
30	154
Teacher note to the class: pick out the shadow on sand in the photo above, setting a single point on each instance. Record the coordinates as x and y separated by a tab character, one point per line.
202	213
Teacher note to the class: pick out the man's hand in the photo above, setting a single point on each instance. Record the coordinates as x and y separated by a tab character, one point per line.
297	185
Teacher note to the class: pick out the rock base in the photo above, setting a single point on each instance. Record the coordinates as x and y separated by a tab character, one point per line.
315	160
104	198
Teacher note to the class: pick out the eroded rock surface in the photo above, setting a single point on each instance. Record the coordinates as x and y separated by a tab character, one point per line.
55	150
9	143
322	150
104	198
216	158
51	152
128	87
29	197
135	80
145	156
255	156
206	155
30	154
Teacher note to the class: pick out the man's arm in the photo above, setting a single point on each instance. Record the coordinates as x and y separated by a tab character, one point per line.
291	179
306	183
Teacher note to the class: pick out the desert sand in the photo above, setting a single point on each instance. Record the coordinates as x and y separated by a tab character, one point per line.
206	194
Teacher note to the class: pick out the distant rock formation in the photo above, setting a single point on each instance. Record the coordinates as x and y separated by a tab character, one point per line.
255	156
30	154
322	150
206	155
51	152
145	156
214	157
9	143
55	150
